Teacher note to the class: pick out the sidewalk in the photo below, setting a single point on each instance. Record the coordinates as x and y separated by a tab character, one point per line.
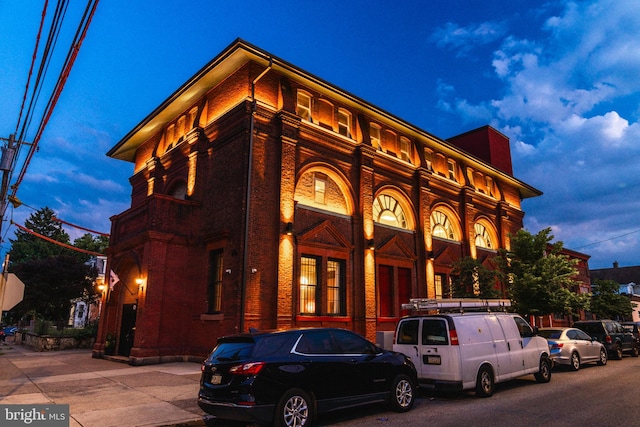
101	392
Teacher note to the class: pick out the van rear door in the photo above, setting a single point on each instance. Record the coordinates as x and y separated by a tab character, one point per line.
427	341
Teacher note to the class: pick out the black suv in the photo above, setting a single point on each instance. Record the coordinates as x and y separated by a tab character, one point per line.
610	333
286	377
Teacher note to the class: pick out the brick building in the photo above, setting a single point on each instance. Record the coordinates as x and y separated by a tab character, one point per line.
265	197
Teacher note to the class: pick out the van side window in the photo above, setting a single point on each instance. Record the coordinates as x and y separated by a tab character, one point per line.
434	332
523	327
408	332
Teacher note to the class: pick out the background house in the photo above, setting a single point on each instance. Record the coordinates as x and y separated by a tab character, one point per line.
628	279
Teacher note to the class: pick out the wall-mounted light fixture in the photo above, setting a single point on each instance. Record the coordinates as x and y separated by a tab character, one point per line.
289	229
254	270
228	271
371	244
431	255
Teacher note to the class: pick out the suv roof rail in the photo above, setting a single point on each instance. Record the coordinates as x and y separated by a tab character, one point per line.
457	304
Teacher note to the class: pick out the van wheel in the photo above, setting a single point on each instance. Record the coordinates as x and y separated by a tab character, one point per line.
575	361
634	351
485	383
603	357
294	409
402	394
544	373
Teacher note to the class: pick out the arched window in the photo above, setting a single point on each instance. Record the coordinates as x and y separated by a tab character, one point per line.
483	237
441	226
387	210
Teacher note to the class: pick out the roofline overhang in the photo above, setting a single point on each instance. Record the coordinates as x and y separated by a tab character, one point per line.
240	52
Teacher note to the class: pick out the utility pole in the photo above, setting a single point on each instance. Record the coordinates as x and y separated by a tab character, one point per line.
6	166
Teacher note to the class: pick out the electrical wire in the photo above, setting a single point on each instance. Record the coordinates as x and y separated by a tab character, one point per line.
69	61
33	63
79	227
49	239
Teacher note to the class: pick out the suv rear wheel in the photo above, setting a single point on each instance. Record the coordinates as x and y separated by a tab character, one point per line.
294	409
634	351
617	352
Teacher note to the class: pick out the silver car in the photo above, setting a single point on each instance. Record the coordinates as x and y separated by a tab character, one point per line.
573	347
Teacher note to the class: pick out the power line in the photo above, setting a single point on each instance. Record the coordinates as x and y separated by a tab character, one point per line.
11	152
607	240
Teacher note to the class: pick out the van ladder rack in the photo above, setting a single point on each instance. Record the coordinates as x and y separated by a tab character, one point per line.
457	304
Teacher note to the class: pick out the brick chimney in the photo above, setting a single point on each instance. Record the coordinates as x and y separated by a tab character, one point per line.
487	144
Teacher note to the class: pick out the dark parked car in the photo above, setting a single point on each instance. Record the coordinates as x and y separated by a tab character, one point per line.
610	333
634	328
287	377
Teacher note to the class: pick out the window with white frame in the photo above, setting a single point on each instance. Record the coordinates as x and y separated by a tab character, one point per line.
451	165
428	159
374	133
303	109
308	284
483	238
335	287
387	210
322	286
405	149
344	123
441	226
489	183
319	188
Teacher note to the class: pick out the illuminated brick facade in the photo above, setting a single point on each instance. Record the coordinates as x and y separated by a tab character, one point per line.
265	197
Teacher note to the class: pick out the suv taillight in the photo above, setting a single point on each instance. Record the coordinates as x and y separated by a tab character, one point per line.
608	339
247	368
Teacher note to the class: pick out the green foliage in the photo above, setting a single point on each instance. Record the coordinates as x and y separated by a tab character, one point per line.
51	283
540	279
471	279
92	243
27	247
53	275
607	302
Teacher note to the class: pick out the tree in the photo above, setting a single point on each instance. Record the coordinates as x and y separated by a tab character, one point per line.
28	247
539	278
89	242
607	302
53	275
471	279
51	283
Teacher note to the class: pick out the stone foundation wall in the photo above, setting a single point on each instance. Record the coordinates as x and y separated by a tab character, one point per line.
49	343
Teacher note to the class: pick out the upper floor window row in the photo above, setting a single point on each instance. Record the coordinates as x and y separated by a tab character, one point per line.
388	141
482	183
176	131
323	113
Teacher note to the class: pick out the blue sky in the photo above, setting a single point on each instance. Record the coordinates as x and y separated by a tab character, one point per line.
559	78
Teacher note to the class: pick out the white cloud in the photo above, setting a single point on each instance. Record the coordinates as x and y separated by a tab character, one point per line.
464	39
569	103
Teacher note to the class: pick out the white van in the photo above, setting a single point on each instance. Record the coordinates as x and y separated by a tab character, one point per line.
462	351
